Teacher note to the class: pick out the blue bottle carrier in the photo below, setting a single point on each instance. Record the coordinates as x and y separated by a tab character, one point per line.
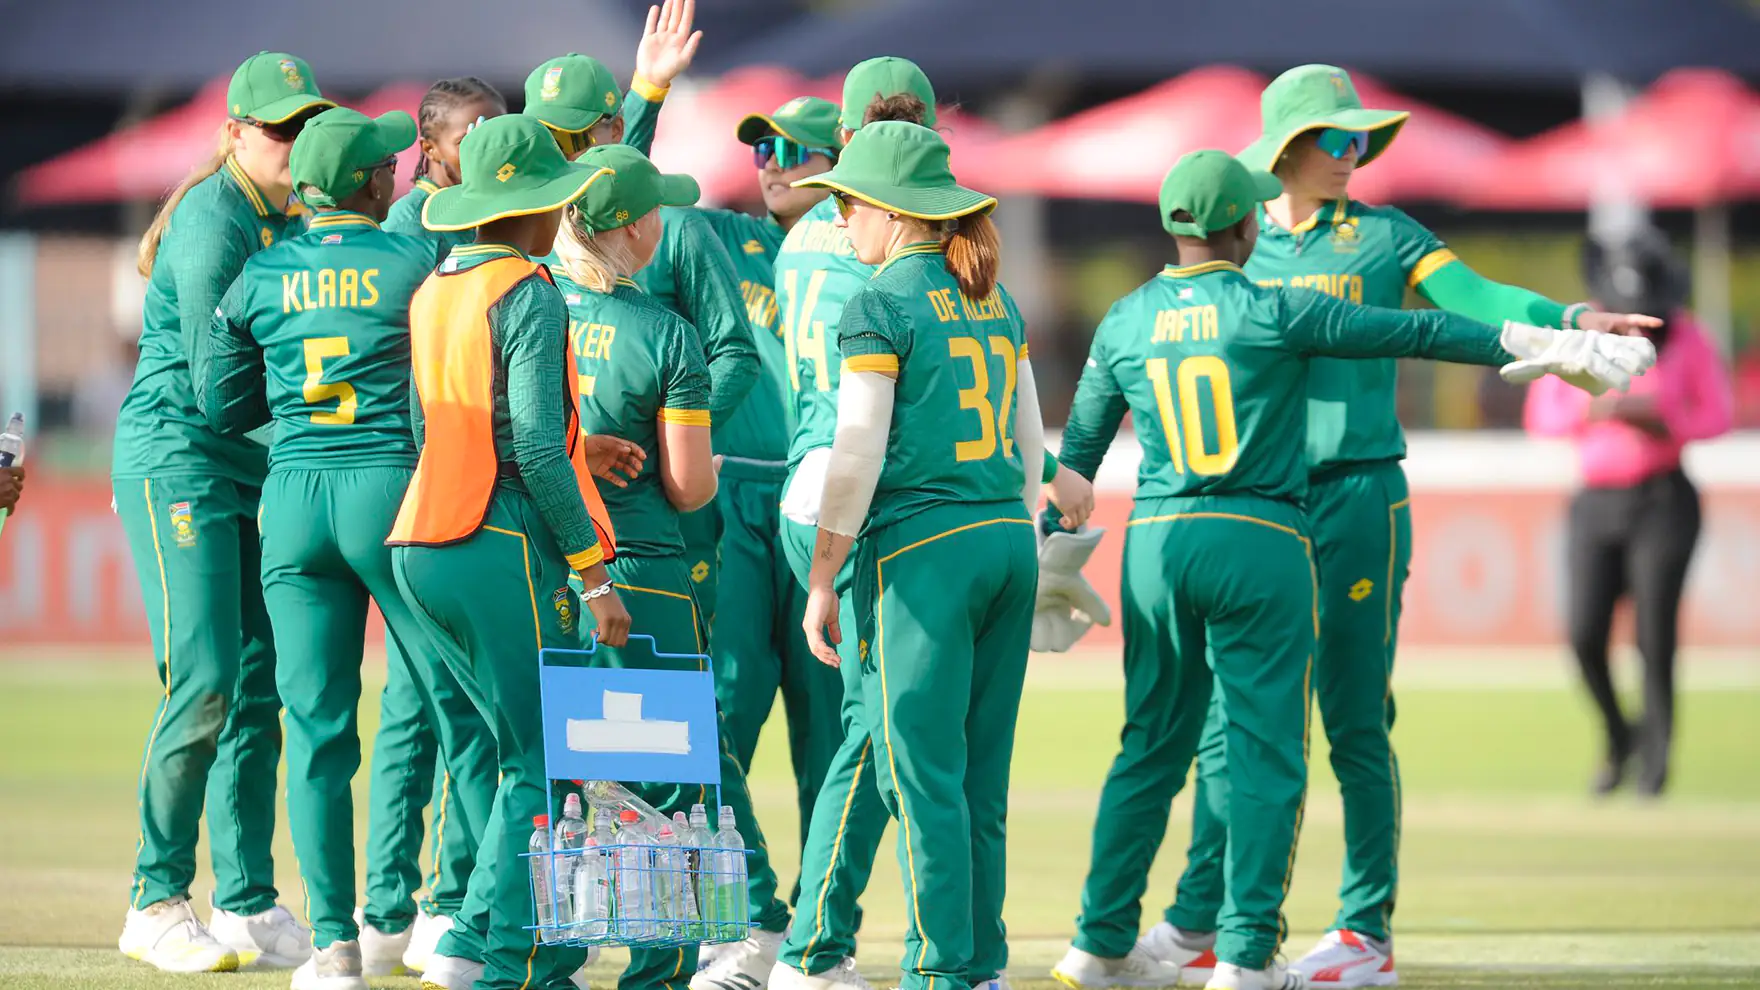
607	724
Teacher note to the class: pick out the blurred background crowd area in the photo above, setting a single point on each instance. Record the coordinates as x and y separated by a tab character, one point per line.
1534	122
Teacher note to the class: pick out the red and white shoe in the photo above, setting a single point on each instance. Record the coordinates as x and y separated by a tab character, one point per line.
1345	959
1193	953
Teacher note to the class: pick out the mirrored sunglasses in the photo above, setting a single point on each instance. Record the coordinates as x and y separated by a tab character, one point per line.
1338	143
787	154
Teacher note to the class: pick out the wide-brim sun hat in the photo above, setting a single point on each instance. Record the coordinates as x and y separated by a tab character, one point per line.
901	167
509	166
1312	97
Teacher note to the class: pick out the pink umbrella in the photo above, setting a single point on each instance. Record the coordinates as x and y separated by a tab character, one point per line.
1436	156
139	162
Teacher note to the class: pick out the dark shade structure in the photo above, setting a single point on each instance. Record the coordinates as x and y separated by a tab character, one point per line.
1553	42
125	45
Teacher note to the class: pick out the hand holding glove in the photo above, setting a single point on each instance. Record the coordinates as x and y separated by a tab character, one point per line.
1067	604
1594	362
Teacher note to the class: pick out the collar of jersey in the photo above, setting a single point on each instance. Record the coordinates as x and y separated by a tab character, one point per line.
1188	271
259	202
425	186
483	251
1332	211
628	283
341	218
909	250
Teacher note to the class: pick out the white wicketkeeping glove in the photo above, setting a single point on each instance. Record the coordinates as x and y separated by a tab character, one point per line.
1067	604
1592	361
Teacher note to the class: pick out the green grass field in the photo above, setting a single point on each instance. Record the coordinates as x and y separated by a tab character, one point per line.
1512	877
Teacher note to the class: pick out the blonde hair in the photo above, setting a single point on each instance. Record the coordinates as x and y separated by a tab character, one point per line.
974	254
592	263
149	249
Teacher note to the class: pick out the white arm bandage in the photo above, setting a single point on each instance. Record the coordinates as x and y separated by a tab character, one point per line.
864	422
1029	433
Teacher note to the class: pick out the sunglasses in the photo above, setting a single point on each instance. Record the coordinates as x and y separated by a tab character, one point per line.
787	154
1338	143
281	132
846	205
572	142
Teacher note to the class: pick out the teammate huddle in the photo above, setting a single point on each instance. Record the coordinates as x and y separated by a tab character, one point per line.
543	399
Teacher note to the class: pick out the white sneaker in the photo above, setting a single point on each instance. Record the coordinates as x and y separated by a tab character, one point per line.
336	966
1346	959
271	939
450	973
1081	970
1192	952
382	954
745	966
842	976
424	935
169	936
1277	976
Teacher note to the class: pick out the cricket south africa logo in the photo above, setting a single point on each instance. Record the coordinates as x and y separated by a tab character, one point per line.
290	72
183	529
564	610
552	85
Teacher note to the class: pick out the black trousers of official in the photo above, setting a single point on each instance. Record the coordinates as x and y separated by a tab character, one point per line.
1639	542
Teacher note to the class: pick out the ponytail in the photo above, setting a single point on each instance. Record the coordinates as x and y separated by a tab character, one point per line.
974	253
591	263
149	249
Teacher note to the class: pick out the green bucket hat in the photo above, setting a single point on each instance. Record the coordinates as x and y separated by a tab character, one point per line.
633	189
572	93
804	120
1309	97
887	75
901	167
510	166
271	87
1216	189
337	150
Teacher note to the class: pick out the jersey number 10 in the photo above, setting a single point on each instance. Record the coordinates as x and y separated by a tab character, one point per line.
1190	438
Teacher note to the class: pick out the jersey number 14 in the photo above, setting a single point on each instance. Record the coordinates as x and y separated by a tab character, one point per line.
1186	432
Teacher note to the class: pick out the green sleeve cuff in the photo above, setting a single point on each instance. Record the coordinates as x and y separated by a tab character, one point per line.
1459	289
1049	471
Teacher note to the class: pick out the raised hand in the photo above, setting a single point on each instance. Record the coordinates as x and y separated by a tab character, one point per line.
668	43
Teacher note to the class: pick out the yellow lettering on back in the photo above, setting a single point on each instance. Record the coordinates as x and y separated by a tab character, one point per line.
606	333
348	288
369	294
290	293
1172	325
326	287
305	289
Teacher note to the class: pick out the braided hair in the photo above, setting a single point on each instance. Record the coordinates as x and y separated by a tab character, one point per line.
443	98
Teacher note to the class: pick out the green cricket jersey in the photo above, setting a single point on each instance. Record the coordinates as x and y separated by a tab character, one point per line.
319	327
953	410
1367	255
816	274
638	365
752	243
1215	371
219	224
406	218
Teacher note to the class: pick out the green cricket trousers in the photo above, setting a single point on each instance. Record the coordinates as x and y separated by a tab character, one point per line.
848	819
324	558
757	640
943	603
215	739
1361	520
1219	595
659	593
486	606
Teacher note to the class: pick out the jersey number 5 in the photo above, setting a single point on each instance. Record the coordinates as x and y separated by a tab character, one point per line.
316	390
802	336
992	423
1210	368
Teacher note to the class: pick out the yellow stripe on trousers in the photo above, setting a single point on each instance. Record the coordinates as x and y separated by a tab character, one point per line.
837	849
165	703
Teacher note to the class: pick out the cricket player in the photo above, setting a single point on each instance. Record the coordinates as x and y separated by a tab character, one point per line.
1219	555
1316	134
502	508
937	414
187	497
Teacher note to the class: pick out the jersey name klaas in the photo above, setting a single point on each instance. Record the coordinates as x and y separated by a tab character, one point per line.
952	433
330	311
816	274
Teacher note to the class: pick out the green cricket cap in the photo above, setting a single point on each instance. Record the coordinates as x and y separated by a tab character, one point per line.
1216	189
901	167
572	93
271	87
509	166
1309	97
634	189
887	75
804	120
336	151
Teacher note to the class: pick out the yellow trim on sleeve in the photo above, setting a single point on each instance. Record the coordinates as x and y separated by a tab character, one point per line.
685	417
1021	355
1429	264
886	364
647	90
594	554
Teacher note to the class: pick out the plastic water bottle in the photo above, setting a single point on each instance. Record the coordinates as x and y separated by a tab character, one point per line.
571	839
592	883
609	794
634	878
729	879
691	865
669	876
703	869
543	893
11	451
